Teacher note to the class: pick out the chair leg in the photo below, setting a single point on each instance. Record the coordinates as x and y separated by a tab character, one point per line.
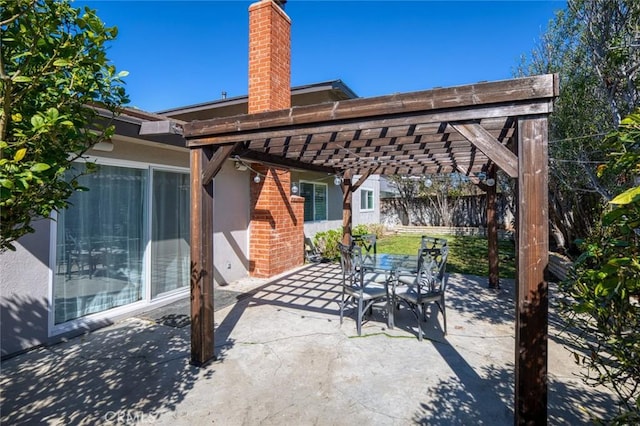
444	316
420	315
342	308
360	314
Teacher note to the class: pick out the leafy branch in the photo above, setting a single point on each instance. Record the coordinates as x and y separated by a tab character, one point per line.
53	73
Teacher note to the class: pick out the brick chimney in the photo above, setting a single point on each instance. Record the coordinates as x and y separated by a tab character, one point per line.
277	218
269	57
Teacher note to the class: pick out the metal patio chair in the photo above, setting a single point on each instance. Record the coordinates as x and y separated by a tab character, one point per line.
427	286
359	287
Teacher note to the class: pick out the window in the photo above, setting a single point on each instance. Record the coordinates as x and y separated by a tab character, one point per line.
366	199
315	201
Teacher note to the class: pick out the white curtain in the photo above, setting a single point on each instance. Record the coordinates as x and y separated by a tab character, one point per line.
101	242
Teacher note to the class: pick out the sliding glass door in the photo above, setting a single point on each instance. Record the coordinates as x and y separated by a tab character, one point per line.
112	232
169	232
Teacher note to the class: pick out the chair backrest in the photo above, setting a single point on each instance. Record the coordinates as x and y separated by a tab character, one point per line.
427	270
351	263
441	261
368	243
432	263
439	250
345	258
432	242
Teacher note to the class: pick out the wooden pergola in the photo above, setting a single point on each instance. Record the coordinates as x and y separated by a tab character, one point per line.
466	129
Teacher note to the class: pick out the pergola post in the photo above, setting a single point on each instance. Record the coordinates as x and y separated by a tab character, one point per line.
492	230
347	197
532	259
206	162
348	188
201	259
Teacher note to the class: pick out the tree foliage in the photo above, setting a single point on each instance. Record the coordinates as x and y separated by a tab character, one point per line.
594	46
604	302
54	75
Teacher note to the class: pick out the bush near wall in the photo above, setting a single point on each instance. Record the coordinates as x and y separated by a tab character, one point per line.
326	242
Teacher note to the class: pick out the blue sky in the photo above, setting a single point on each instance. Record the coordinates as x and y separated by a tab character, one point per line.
185	52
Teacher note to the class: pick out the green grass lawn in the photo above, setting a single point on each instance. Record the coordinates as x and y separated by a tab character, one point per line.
467	255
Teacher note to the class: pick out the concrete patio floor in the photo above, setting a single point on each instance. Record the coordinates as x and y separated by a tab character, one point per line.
284	359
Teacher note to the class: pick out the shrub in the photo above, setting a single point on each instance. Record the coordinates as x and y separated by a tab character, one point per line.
377	229
327	243
603	291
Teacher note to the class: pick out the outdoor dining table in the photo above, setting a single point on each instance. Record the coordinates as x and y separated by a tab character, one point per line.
391	265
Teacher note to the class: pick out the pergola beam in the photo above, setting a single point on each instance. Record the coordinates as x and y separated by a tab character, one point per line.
481	100
490	146
280	161
213	132
214	165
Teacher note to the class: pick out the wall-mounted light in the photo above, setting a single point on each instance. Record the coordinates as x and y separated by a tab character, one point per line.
294	188
337	181
490	182
241	165
106	146
428	182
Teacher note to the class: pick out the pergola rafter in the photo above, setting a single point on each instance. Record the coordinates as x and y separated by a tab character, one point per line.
468	129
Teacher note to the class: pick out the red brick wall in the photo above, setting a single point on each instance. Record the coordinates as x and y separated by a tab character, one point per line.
277	218
277	224
269	57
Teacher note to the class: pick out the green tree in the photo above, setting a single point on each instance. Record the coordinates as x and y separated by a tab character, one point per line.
603	302
593	46
54	79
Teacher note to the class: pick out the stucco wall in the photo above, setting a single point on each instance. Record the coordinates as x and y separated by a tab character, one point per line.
24	286
367	217
231	206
